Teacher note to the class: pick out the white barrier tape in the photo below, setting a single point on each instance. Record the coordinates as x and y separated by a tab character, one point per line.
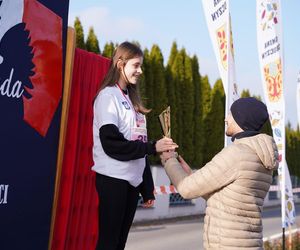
165	190
279	235
276	188
172	190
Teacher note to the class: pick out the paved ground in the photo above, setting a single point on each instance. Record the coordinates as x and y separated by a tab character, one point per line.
187	234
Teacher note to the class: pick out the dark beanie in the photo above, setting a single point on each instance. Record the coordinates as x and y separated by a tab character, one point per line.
249	113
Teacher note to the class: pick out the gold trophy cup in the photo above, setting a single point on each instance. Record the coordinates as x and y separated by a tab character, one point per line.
165	122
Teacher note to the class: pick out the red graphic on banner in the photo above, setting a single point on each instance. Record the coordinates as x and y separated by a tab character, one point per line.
45	30
273	79
269	13
222	41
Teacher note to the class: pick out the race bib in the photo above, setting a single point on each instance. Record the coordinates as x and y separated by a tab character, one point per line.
139	133
140	120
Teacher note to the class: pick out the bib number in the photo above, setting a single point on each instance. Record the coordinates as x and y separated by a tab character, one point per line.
139	134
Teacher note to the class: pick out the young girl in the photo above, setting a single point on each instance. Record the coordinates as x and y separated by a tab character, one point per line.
121	148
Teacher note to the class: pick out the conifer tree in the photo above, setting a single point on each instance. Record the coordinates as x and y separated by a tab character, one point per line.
160	100
108	50
173	54
205	96
198	134
206	92
79	34
267	128
142	81
177	69
172	92
171	100
146	88
215	122
188	106
245	93
289	148
92	43
148	75
292	150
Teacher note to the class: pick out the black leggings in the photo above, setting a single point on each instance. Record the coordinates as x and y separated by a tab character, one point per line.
117	206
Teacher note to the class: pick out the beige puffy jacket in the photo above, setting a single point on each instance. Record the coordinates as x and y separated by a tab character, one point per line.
234	183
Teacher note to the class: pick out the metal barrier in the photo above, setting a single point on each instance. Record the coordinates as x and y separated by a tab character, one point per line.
178	200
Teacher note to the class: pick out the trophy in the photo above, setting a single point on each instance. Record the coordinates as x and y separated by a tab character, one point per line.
165	122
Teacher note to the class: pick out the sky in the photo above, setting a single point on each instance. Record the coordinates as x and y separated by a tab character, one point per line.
162	22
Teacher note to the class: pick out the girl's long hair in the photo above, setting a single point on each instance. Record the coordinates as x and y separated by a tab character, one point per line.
124	52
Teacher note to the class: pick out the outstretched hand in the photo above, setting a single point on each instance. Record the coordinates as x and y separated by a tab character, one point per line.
184	165
148	203
172	154
165	144
167	155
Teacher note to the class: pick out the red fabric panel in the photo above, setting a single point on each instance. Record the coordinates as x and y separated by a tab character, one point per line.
46	40
76	224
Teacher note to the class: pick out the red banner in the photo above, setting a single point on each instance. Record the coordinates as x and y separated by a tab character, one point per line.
77	210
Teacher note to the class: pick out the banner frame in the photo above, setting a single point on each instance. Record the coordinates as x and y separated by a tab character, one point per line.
67	87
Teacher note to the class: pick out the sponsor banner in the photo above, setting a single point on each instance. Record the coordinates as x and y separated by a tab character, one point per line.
219	26
32	45
270	44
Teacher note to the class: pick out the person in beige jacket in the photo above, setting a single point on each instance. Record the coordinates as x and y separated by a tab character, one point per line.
235	182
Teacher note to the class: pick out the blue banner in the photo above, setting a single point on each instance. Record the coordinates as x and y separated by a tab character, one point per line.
32	52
